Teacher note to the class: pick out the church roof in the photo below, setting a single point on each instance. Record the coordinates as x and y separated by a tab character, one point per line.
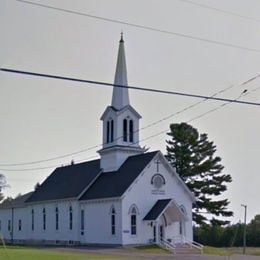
17	202
71	181
67	182
157	209
114	184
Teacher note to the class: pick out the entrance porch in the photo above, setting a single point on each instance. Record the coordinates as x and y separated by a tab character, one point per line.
167	219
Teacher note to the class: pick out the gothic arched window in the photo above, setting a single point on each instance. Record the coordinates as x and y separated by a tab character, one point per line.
131	131
44	219
110	131
32	219
113	220
56	218
125	130
70	218
133	219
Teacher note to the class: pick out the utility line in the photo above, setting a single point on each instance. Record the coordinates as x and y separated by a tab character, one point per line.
194	118
152	124
143	27
142	140
28	73
46	167
220	10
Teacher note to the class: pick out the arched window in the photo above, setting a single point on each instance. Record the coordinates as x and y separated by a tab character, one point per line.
110	131
183	209
56	218
125	130
9	225
32	219
131	131
82	221
113	221
133	219
70	218
19	225
44	219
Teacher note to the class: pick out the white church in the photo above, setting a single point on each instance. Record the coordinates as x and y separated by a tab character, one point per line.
126	197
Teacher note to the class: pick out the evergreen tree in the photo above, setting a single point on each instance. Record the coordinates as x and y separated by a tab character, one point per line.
192	155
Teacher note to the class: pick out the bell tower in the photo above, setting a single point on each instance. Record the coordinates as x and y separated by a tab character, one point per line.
120	121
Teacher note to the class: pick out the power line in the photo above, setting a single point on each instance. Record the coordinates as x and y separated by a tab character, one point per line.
220	10
129	87
144	139
45	167
142	27
194	118
149	125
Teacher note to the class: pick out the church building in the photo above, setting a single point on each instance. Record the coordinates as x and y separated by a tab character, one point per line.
127	197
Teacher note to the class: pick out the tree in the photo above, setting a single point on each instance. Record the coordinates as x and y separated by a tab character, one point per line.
192	155
253	232
3	185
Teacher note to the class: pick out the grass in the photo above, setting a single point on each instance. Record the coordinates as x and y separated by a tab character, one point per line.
27	253
152	249
227	251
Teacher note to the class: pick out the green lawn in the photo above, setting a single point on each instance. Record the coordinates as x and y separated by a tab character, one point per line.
231	250
152	249
27	253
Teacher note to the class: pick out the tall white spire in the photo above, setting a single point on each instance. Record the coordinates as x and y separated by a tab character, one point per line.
120	96
120	122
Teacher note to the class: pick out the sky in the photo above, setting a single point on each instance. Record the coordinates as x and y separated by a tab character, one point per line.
204	47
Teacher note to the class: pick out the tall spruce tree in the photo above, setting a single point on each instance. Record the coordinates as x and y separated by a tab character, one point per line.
192	154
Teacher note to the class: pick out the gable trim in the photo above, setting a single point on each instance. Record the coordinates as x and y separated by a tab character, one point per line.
175	174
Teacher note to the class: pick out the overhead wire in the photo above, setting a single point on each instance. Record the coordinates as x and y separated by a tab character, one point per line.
220	10
36	74
177	34
192	119
149	125
142	140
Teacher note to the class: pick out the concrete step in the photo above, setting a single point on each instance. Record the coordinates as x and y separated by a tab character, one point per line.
186	250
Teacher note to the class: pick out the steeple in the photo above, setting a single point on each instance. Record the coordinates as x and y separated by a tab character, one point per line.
120	122
120	96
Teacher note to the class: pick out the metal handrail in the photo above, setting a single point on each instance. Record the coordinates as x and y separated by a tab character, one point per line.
195	244
167	245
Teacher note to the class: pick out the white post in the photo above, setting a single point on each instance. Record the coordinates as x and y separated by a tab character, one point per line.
157	233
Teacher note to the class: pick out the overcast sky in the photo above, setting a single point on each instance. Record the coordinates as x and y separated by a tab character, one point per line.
43	118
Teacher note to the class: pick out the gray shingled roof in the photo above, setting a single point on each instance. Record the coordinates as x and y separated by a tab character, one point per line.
17	202
70	181
67	182
157	209
114	184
